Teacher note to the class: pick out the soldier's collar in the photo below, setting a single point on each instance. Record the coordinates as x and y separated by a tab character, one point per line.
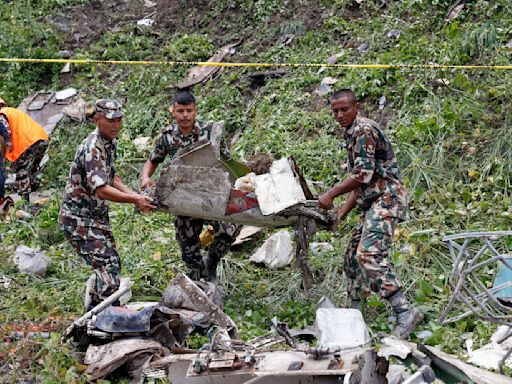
349	130
105	142
195	129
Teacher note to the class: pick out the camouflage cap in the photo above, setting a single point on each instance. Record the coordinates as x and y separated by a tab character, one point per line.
111	108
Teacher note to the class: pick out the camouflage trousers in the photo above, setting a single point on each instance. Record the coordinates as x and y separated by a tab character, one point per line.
367	265
188	230
97	247
2	177
27	166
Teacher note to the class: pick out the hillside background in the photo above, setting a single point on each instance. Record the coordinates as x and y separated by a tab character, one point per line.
451	129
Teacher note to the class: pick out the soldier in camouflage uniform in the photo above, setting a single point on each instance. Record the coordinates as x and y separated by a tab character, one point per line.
374	185
26	165
185	132
93	182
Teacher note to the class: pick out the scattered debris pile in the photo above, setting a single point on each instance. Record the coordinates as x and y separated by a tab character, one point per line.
150	343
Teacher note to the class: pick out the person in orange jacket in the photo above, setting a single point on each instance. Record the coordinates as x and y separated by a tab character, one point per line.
24	142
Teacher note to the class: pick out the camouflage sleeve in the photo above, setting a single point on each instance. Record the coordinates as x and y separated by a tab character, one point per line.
96	172
364	155
5	129
161	150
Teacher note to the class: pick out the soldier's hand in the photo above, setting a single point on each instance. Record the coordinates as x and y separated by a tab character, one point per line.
143	203
325	201
146	183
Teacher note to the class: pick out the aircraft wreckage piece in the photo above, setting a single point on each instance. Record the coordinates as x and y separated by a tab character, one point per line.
83	320
276	367
204	192
199	183
461	371
202	303
105	359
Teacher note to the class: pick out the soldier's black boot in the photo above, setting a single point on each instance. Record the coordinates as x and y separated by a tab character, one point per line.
407	317
210	264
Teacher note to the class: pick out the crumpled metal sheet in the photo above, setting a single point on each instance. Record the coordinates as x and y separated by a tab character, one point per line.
184	293
105	359
44	109
175	297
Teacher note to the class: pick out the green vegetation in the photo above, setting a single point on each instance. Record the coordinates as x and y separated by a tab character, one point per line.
451	129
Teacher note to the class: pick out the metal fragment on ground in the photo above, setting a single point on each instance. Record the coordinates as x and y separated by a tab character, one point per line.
489	355
392	346
142	143
455	10
460	370
340	328
44	109
146	22
184	293
65	94
76	110
5	281
202	73
105	359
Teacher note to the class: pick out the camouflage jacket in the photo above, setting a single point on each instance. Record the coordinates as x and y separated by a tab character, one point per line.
372	161
93	167
5	129
171	140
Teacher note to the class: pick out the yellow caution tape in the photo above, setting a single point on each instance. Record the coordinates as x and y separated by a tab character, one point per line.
293	65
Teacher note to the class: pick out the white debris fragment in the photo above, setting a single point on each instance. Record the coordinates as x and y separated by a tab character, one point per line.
489	355
5	281
320	248
394	347
66	68
146	22
31	261
125	282
142	143
246	234
77	110
340	328
329	80
278	189
65	94
276	251
423	335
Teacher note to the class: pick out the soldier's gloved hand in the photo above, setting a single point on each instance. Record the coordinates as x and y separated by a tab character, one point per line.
143	203
146	183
